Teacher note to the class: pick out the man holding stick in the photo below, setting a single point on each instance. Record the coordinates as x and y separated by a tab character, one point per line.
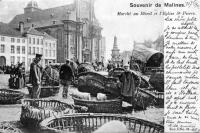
35	76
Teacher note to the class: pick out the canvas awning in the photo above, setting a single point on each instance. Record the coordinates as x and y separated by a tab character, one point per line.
151	57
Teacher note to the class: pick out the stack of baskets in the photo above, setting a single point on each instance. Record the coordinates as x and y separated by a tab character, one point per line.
94	83
87	123
8	96
91	82
34	111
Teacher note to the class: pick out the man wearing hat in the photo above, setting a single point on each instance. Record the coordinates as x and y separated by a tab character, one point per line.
66	76
35	76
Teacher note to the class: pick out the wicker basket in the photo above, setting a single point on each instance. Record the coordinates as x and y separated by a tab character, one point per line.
8	96
7	128
87	123
107	106
34	111
46	91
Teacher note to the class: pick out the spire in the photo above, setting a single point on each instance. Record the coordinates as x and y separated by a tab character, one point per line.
115	47
77	4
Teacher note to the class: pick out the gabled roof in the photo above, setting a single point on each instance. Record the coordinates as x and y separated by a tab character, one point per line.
5	29
47	36
33	31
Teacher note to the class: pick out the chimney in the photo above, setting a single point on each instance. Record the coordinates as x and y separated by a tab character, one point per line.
21	27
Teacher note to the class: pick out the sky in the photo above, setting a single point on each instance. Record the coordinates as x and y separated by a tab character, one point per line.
127	28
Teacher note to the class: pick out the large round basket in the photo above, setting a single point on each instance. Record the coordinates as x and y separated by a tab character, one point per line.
34	111
46	91
6	128
8	96
106	106
87	123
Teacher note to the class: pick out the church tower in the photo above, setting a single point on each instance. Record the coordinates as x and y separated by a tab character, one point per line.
31	7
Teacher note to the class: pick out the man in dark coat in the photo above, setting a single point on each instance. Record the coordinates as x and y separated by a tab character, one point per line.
19	76
66	77
35	76
12	79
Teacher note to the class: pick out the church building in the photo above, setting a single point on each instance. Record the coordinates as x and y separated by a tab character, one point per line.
75	27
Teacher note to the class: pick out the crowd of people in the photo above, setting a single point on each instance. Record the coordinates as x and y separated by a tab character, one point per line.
17	76
5	69
66	75
98	66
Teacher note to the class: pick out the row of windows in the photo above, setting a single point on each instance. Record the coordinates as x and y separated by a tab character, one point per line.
2	48
13	40
17	40
31	40
51	45
50	53
35	41
19	49
35	50
15	60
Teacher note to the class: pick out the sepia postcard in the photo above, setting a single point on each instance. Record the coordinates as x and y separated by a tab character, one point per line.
99	66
